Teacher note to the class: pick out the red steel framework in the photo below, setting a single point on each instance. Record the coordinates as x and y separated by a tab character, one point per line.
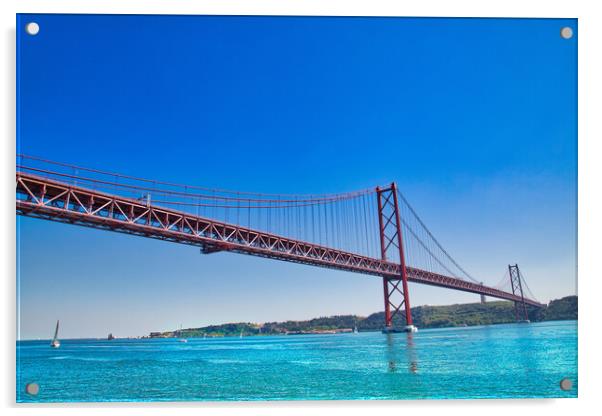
520	306
53	200
391	241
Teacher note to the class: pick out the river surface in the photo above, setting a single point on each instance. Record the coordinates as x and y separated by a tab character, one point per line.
497	361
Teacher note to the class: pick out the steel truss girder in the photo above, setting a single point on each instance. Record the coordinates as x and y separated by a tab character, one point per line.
53	200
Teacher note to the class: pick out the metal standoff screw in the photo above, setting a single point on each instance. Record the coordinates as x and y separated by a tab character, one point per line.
566	384
32	28
566	32
32	388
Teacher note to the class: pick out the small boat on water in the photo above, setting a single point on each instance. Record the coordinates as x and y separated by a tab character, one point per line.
110	337
55	343
240	334
355	331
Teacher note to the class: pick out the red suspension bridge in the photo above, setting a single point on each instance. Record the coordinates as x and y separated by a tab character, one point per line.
373	231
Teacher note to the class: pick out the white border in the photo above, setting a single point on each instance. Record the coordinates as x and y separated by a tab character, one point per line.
590	207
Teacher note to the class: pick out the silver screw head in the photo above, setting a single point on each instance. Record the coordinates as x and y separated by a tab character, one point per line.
32	388
566	384
566	32
32	28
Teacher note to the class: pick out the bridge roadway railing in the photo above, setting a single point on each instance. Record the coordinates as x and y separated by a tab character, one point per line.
41	197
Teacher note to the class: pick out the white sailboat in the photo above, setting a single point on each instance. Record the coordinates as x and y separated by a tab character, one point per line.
55	343
240	334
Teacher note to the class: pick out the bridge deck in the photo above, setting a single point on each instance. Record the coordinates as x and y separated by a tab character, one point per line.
41	197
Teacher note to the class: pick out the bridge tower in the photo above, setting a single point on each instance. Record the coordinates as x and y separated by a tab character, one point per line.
396	294
520	308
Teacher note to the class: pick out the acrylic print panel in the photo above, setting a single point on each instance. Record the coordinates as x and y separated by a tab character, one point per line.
415	177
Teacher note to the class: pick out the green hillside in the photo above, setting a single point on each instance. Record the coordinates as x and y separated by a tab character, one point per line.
468	314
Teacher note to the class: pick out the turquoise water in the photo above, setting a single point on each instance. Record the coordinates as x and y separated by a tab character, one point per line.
499	361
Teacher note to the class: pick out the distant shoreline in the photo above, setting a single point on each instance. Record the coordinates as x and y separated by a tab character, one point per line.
270	335
458	315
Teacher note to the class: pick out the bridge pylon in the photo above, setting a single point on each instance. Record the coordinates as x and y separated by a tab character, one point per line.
396	294
483	300
520	307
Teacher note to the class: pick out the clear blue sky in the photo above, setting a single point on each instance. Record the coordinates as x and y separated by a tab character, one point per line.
475	119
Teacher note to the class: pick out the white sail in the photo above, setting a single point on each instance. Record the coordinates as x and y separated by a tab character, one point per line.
55	342
56	331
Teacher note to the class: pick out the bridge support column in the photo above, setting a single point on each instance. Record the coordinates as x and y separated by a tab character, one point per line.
483	301
396	293
520	308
